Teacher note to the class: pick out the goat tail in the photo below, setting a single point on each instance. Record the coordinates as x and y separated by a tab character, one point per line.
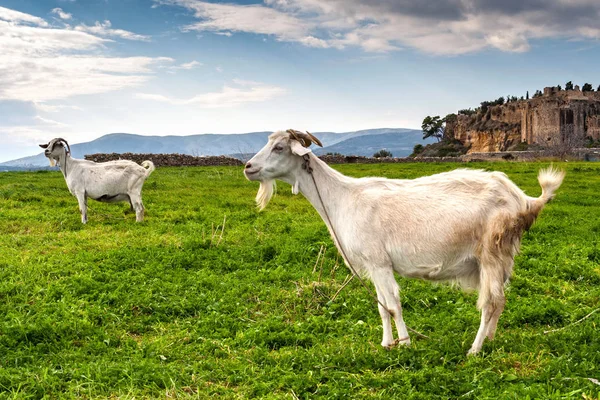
550	180
149	165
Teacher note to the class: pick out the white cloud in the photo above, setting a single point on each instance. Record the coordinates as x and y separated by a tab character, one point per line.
190	65
311	41
509	41
244	82
6	14
63	15
44	78
104	29
253	18
450	27
27	41
23	135
253	92
52	108
37	130
185	66
50	122
40	63
24	139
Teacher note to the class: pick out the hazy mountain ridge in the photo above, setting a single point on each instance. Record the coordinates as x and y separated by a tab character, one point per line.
400	145
365	142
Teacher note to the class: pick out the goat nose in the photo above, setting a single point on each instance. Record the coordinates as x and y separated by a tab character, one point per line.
248	165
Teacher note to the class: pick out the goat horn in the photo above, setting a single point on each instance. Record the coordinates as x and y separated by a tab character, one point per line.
314	139
303	138
65	142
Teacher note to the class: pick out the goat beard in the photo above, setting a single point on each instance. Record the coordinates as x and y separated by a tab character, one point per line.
52	162
265	192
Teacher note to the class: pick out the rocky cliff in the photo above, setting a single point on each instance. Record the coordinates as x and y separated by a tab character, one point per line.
554	118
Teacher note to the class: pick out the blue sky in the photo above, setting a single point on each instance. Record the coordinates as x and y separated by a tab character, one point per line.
80	69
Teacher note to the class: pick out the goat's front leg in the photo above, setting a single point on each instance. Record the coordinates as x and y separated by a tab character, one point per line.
388	337
82	200
388	295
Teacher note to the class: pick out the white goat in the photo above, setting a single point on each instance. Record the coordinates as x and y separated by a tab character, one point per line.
463	226
108	182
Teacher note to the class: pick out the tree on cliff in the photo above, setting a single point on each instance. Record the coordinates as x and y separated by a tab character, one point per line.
598	90
587	87
433	127
436	126
569	85
527	96
467	111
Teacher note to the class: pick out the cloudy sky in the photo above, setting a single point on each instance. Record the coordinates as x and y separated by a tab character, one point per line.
80	69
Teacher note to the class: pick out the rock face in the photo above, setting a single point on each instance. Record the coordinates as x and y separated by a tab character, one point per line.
554	118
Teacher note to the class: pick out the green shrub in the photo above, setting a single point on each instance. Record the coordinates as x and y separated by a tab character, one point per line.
382	154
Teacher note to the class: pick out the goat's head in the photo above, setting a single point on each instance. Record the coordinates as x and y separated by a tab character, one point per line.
281	158
55	149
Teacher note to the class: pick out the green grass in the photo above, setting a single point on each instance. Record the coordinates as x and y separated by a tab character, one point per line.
209	297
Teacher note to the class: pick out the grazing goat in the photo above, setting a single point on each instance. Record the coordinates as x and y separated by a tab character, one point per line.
463	226
108	182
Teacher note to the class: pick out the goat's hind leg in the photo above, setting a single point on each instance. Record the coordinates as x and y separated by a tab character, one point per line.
131	209
82	200
498	307
135	200
486	316
388	295
491	296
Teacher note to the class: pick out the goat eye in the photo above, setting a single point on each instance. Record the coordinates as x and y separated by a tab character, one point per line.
278	148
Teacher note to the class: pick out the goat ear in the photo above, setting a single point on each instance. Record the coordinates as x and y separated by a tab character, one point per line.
298	149
43	146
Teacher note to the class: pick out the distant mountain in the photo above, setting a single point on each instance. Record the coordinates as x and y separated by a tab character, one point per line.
399	144
366	142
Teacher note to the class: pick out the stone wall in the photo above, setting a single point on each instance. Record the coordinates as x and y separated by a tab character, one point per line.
165	160
371	160
181	160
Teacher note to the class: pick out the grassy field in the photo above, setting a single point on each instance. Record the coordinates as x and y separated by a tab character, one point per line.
209	297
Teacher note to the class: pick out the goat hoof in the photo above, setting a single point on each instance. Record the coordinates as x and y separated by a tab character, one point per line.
402	341
472	352
398	342
389	345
